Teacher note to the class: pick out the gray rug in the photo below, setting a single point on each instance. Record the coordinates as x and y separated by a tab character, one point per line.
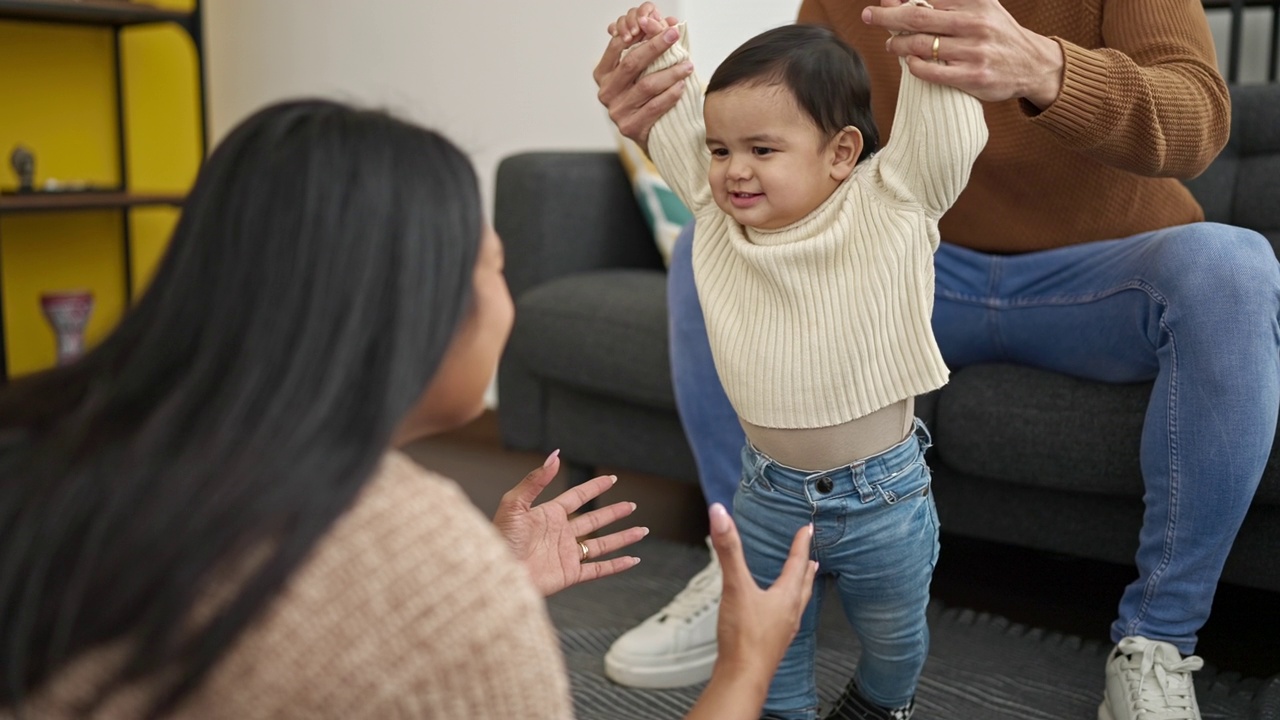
980	667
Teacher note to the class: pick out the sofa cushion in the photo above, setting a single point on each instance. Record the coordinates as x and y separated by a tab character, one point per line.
1032	427
602	332
663	210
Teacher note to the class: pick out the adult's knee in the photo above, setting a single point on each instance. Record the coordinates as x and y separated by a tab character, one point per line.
1207	269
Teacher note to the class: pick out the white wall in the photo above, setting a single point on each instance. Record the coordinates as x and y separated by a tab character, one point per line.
496	76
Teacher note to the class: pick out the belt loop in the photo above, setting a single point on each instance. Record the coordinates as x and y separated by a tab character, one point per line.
923	436
759	461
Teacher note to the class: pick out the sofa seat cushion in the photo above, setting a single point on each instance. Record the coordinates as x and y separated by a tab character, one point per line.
602	332
1031	427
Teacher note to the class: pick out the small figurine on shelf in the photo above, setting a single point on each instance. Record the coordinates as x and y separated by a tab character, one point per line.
24	165
68	312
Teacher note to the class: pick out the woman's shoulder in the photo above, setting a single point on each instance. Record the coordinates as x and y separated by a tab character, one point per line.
410	592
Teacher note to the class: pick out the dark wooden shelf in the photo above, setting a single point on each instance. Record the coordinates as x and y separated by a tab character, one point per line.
89	12
108	200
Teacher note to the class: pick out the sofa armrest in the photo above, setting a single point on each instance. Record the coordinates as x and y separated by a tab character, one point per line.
560	213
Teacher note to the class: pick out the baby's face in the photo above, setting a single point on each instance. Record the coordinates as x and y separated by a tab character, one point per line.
770	165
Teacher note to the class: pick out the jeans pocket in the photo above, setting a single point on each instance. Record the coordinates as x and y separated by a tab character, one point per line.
911	481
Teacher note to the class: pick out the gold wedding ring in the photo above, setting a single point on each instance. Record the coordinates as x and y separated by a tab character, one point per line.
936	42
585	551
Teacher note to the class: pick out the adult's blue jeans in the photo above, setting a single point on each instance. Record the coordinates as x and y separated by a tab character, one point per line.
875	537
1193	308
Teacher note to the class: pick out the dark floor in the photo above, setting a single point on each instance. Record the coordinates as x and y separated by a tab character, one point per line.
1040	589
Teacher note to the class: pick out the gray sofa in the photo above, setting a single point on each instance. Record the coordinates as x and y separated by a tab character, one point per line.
1021	456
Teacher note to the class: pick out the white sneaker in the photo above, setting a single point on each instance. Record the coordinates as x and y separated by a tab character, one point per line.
1149	680
677	645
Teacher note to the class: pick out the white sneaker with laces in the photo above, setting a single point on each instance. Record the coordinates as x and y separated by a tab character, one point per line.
1149	680
677	645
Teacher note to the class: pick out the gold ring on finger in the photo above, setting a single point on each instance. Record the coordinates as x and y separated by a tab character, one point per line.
585	551
936	42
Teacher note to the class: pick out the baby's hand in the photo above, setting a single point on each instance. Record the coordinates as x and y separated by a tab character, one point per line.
640	23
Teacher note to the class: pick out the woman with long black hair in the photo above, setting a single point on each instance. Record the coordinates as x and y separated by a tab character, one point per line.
205	515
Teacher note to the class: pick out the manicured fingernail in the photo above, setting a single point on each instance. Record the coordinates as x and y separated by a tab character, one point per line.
633	507
634	561
671	35
613	479
686	67
645	531
866	15
719	518
551	458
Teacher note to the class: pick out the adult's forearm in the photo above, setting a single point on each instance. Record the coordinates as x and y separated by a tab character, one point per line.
1150	99
734	692
1167	120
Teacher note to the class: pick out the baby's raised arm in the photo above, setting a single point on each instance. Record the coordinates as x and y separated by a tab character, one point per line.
937	134
678	140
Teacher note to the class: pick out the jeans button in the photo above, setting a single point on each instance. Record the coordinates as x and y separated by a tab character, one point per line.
824	485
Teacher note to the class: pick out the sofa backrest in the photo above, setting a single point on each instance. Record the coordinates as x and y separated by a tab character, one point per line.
1242	186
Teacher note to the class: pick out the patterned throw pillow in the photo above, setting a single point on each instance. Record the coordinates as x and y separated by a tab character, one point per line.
662	209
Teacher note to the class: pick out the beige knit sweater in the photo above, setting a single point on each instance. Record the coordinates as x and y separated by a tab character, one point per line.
827	319
411	607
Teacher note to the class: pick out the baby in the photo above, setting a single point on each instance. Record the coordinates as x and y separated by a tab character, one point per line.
813	258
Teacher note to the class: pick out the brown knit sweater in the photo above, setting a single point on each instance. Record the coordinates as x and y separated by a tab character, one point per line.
1142	103
411	607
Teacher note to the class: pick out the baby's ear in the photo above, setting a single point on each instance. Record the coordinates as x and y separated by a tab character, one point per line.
845	149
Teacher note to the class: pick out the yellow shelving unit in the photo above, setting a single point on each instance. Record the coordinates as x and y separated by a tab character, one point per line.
108	92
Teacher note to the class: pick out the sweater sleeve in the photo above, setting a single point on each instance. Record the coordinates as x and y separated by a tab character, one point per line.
678	141
937	134
1151	101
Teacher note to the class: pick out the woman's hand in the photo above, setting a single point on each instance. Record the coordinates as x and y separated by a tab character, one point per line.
981	49
636	103
755	626
545	537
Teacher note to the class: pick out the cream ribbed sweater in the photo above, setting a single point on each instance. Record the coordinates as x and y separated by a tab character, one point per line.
828	319
411	607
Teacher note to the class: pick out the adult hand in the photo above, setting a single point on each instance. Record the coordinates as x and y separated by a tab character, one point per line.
755	626
545	537
636	103
981	49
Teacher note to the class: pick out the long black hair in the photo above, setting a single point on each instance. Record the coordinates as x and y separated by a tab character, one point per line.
827	77
319	271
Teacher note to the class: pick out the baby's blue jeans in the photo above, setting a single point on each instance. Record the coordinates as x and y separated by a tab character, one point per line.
875	537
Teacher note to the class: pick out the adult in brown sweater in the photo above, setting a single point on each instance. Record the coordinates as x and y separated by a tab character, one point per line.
205	517
1075	248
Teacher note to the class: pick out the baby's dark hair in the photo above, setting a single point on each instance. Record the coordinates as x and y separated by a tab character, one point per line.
827	77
